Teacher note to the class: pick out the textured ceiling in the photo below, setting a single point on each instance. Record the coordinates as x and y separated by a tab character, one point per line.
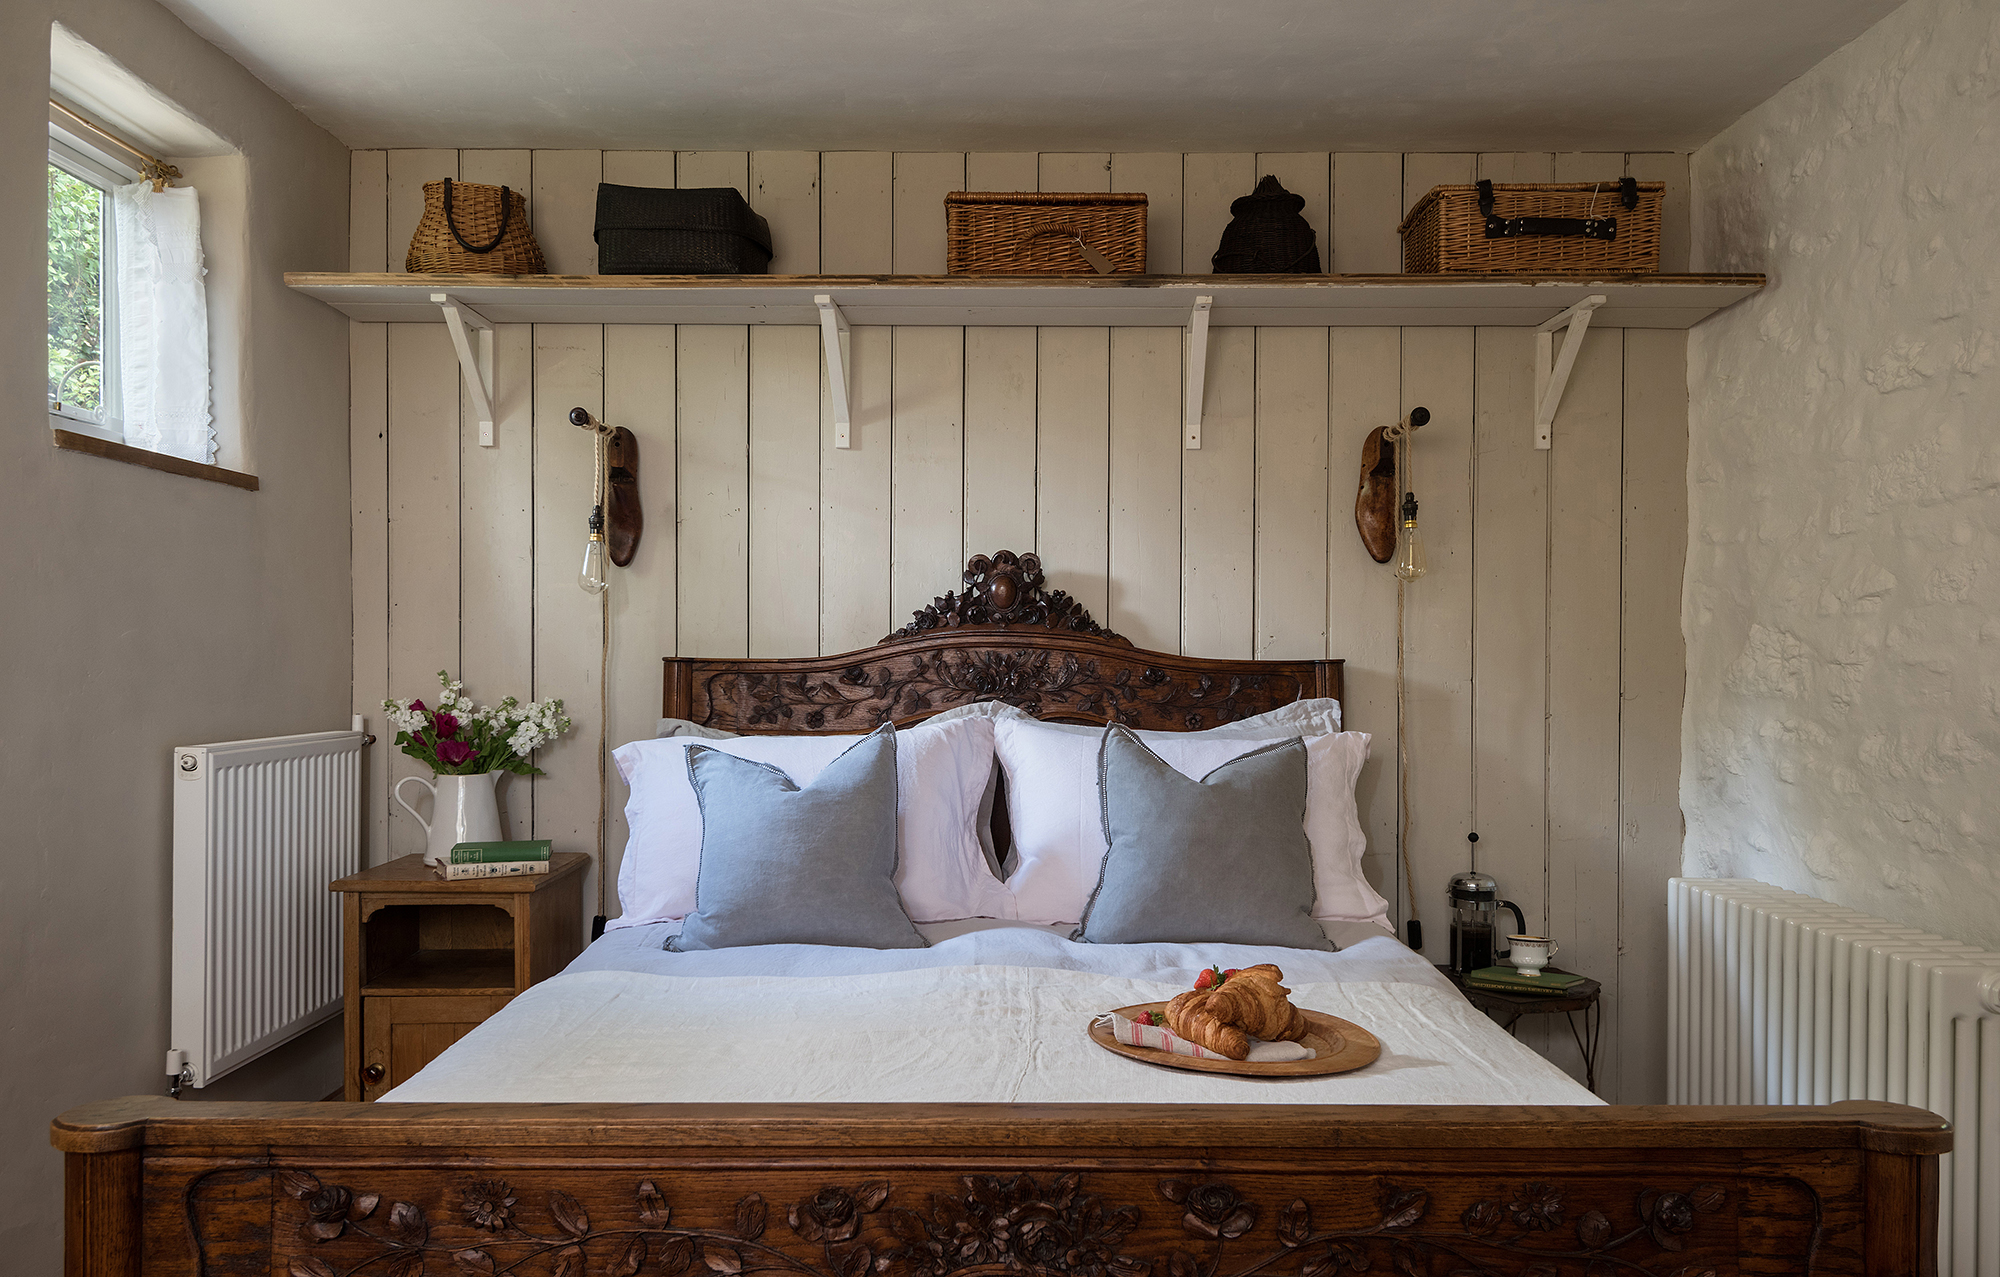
1269	75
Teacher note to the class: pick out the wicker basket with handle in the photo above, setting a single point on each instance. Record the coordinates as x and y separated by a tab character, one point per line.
1043	233
472	228
1540	227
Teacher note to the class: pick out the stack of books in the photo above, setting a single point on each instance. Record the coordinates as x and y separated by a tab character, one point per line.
497	859
1508	980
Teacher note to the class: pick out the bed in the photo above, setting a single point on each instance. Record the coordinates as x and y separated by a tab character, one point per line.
935	1111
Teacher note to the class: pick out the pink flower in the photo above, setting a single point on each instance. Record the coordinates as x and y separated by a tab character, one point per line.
446	725
452	753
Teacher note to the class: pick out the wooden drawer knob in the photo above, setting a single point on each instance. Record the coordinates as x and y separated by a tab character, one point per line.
372	1074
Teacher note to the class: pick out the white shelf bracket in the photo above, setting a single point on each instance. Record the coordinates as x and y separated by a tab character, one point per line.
1551	369
834	338
1197	367
476	365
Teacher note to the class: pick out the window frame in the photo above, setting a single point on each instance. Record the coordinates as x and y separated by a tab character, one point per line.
96	167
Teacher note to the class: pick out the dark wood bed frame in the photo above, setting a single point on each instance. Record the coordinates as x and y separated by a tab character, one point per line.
154	1186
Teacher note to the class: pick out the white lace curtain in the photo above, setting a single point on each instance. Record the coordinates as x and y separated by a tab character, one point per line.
162	321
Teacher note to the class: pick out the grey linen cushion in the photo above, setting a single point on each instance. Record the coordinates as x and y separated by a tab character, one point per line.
785	865
1223	859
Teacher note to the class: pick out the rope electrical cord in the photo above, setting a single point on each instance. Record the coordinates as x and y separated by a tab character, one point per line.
1399	434
599	479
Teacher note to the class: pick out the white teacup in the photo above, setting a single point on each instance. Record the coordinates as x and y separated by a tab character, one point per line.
1530	954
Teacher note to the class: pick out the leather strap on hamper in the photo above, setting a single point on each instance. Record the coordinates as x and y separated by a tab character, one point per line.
1498	227
507	210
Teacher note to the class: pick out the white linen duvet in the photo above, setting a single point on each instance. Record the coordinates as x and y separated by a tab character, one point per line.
990	1013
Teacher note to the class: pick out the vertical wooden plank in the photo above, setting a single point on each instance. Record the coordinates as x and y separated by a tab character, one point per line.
1307	173
693	169
784	189
1364	380
784	491
408	171
1652	675
512	169
640	168
999	441
1219	503
368	211
1003	171
856	213
565	202
1158	174
1209	183
1425	169
1075	171
569	624
496	543
368	493
1510	591
1585	468
1145	486
1437	374
1072	460
639	378
922	180
712	421
1291	456
423	525
1517	166
928	471
856	502
1590	166
1672	168
1367	208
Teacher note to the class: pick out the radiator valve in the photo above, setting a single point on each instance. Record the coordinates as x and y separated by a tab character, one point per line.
180	1071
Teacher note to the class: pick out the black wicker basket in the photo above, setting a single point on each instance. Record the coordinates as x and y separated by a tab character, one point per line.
644	230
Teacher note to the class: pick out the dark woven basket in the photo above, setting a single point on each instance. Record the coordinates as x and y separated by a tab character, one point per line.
710	230
1267	235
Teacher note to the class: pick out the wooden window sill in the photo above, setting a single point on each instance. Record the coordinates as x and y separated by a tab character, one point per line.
71	441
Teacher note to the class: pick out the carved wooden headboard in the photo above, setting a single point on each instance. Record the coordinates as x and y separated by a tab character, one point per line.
1003	638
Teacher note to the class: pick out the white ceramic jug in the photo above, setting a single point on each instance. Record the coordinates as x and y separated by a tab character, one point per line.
463	809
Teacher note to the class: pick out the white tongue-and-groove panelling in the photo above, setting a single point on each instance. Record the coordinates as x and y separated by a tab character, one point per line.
1544	657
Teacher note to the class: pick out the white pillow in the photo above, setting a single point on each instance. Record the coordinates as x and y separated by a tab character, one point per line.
1056	813
941	774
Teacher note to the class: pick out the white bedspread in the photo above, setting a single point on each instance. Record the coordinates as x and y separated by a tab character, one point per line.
994	1015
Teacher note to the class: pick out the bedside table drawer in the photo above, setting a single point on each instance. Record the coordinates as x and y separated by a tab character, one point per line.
403	1034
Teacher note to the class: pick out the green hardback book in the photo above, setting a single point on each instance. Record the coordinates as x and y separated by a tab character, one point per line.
493	853
1508	980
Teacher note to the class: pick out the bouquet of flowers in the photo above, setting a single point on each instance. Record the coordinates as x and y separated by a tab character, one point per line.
459	738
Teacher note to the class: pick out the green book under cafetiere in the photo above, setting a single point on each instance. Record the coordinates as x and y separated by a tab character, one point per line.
1509	980
494	853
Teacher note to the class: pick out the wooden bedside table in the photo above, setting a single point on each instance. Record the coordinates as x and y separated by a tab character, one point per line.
427	959
1581	997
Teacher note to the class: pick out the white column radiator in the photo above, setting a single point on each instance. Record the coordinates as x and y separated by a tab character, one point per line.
260	828
1778	998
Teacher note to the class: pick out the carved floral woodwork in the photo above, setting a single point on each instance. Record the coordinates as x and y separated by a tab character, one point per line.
1051	1226
1002	590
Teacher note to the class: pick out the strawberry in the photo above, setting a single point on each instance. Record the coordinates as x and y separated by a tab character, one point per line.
1210	978
1231	972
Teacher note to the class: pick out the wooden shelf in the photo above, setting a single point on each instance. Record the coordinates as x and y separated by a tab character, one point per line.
1158	301
446	971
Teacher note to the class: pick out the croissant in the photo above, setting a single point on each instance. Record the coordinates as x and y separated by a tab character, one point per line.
1188	1016
1255	1002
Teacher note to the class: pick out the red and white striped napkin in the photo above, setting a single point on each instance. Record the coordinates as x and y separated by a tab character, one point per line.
1161	1038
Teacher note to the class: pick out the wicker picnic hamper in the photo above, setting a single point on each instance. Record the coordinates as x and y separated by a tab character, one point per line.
1038	233
469	228
1543	227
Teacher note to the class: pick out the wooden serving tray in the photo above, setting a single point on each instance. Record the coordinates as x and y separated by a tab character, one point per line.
1339	1046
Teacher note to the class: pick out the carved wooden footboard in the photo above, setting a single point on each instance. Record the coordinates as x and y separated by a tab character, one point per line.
157	1187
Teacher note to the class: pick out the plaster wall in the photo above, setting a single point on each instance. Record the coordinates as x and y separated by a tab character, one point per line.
140	609
1842	610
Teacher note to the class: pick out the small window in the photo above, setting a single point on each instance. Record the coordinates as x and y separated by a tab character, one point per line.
83	321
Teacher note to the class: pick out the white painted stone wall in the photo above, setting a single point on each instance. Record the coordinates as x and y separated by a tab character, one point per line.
1842	613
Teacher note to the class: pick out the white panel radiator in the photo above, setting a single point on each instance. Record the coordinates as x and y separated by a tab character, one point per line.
1778	998
260	828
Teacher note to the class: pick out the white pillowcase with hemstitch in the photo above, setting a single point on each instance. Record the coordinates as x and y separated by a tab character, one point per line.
1056	815
942	770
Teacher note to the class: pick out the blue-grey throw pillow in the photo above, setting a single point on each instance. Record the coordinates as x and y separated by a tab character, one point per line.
785	865
1220	860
